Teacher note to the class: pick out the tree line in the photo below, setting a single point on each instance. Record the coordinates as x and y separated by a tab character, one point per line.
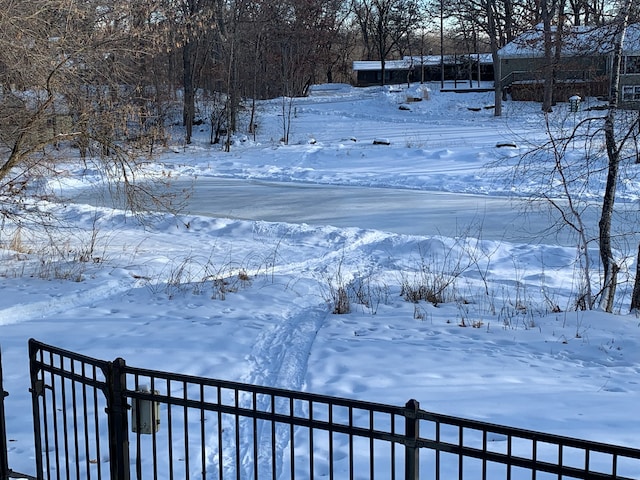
156	51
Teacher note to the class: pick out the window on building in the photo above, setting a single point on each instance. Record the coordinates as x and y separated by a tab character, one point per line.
632	64
631	92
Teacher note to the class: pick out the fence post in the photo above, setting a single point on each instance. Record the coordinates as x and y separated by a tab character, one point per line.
4	461
412	434
117	421
37	391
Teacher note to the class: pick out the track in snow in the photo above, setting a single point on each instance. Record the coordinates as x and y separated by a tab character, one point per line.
279	358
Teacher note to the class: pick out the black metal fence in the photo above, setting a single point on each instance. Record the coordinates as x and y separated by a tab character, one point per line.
96	419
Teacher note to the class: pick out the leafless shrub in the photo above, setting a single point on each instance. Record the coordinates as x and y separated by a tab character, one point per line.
340	291
335	291
198	275
364	291
434	279
341	301
224	285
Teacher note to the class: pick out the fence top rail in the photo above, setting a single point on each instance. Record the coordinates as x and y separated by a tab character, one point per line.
35	346
529	434
262	390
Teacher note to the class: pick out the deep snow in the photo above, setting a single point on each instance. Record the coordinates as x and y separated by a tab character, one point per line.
493	351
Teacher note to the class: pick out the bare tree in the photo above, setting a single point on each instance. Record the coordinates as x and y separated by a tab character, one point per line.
192	31
614	146
605	145
384	23
70	76
497	20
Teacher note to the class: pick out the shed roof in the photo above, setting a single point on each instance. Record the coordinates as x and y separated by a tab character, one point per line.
361	65
412	61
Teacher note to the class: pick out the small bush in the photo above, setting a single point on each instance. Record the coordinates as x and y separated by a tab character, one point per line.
434	280
341	302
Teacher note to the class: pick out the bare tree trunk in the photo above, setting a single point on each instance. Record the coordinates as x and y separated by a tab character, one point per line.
497	71
547	95
609	266
508	20
188	99
229	107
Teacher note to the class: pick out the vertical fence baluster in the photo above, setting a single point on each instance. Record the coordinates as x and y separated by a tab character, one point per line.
85	404
484	459
255	436
460	455
586	460
203	446
220	431
311	447
254	425
437	426
154	425
509	455
185	396
65	429
350	443
561	461
96	421
393	446
331	457
76	430
371	447
136	424
534	456
291	439
236	398
273	439
54	415
169	432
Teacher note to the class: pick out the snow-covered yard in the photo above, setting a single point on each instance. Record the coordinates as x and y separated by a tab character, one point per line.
504	344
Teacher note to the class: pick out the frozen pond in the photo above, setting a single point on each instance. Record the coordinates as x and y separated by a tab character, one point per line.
402	211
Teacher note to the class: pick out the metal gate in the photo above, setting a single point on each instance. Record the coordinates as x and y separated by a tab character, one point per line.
96	419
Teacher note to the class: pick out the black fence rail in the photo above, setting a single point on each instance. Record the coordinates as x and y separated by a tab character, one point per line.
96	419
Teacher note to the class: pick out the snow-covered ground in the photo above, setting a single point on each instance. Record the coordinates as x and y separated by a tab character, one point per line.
504	346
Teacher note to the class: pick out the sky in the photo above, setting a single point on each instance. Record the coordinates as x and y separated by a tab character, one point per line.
504	344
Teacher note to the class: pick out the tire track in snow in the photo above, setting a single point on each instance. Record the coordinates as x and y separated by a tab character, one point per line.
279	358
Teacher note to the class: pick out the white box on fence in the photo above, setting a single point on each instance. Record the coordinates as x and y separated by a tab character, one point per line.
145	414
